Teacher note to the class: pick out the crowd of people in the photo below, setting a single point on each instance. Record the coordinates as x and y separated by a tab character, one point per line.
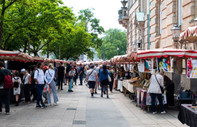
41	81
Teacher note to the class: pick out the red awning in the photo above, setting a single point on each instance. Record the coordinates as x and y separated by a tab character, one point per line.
165	53
189	35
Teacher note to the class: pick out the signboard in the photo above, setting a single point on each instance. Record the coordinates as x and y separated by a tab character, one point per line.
164	64
191	68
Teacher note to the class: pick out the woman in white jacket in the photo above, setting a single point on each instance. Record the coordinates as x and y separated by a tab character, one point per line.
49	78
156	81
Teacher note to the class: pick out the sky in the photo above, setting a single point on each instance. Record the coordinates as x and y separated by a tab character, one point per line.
105	10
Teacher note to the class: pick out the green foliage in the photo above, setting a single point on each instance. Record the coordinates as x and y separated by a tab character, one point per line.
47	25
114	39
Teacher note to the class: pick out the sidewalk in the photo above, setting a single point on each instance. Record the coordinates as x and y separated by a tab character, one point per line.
78	109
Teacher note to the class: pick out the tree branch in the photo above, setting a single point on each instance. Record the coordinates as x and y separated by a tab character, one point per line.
9	4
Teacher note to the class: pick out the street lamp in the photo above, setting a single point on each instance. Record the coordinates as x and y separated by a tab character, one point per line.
176	30
124	2
195	21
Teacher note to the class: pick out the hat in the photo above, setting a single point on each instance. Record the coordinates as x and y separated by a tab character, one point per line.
23	70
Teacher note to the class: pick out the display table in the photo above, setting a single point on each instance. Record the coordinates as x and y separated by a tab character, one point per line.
130	87
188	115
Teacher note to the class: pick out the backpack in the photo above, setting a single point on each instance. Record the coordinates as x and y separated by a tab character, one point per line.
16	82
7	83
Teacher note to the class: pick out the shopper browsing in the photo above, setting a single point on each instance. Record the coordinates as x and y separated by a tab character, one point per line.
49	79
27	85
91	79
155	90
17	86
39	79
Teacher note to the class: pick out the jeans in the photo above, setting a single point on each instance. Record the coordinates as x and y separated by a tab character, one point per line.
53	88
5	97
33	91
60	82
153	101
71	84
27	88
81	79
39	89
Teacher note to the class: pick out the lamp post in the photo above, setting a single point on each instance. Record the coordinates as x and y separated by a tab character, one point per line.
176	30
195	21
124	2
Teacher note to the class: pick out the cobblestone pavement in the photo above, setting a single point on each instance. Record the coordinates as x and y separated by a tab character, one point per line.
78	109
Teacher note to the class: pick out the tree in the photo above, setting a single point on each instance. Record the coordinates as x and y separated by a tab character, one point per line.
114	39
92	25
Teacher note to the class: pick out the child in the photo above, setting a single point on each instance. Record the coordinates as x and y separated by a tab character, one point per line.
17	89
71	74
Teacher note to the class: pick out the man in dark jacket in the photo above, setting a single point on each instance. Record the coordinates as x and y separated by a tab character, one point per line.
4	93
60	76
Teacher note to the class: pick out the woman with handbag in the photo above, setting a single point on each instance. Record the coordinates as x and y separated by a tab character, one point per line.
49	79
104	80
17	86
156	91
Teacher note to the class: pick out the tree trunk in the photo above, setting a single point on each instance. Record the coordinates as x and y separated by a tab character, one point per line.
1	24
6	41
47	49
25	47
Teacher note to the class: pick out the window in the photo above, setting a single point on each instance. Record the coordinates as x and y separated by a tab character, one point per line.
179	10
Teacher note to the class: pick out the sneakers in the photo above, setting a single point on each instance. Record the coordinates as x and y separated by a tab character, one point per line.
101	95
44	106
107	96
7	113
164	112
55	104
154	113
70	90
38	106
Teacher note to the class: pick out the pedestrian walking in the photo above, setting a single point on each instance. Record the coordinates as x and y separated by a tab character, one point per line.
111	74
5	85
49	79
60	76
27	85
71	74
75	76
33	84
39	79
81	74
68	78
155	90
17	87
104	80
97	84
91	79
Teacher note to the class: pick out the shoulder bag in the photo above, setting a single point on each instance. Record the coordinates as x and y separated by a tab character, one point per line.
162	90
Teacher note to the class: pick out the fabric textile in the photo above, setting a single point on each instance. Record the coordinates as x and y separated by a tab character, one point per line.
187	115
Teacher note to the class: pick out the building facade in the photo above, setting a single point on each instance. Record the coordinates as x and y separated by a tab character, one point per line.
149	24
